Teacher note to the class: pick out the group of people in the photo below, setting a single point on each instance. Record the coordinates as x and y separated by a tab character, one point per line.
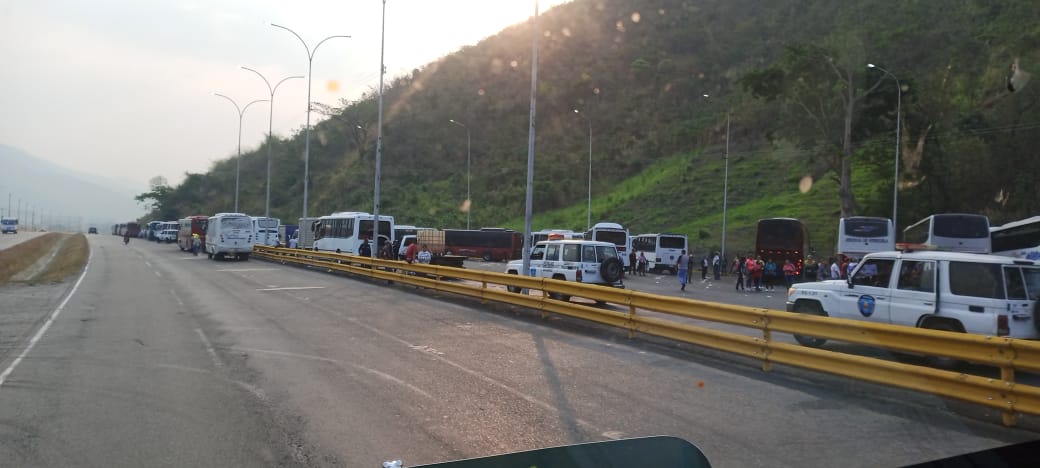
756	274
637	264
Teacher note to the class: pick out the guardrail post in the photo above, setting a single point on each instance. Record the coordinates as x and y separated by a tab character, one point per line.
767	338
483	291
1007	416
631	317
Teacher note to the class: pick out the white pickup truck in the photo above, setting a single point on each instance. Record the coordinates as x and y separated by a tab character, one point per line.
960	292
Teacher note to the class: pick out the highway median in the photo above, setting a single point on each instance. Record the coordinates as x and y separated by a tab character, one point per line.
47	258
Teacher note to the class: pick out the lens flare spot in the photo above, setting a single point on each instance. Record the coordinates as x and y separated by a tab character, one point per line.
619	26
636	17
513	64
566	32
481	92
805	185
700	384
332	86
465	206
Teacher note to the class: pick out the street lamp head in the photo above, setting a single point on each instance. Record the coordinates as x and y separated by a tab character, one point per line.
871	65
705	95
576	111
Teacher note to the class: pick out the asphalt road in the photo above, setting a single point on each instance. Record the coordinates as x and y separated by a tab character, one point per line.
8	240
165	359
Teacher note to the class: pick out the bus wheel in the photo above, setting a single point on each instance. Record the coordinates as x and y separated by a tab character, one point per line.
809	309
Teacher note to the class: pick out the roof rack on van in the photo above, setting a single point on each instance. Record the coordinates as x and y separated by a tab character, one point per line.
913	246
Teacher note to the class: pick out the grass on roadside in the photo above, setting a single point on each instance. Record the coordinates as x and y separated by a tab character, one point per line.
23	255
67	262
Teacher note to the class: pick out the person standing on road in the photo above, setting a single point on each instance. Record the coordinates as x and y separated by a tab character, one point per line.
835	269
769	273
741	269
411	252
366	249
682	268
716	265
196	244
642	264
632	262
424	255
704	267
789	272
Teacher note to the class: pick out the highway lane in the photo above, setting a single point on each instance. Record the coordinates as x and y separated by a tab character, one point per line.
9	240
294	365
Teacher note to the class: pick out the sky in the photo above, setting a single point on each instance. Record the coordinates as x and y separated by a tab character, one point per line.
125	88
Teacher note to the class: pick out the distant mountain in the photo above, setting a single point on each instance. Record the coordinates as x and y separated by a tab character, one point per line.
63	196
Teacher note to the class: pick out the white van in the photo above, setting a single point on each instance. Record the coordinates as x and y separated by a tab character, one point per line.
229	234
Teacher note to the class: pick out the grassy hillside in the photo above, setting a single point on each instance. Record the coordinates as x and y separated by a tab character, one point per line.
639	70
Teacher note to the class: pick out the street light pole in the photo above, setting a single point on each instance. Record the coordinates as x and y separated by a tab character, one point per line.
379	140
270	136
469	200
238	160
895	182
725	190
307	138
588	213
529	193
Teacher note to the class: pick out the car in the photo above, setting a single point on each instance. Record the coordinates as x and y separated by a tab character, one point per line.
582	261
953	291
92	230
166	235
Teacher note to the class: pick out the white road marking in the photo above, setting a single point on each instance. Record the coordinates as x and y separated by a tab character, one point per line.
383	375
291	288
209	348
177	298
237	270
193	258
157	273
43	329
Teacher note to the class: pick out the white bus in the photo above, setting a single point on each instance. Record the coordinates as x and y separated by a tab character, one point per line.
1019	239
661	250
860	235
954	232
265	230
345	231
615	234
229	234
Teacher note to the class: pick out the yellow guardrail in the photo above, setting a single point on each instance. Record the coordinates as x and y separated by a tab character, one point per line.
1007	354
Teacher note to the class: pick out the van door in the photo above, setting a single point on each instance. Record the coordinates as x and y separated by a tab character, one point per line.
976	296
551	261
914	294
1023	286
870	295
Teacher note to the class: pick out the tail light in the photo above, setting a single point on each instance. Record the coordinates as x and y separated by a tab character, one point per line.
1002	326
577	276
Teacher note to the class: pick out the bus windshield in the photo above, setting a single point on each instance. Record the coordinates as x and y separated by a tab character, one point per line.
235	223
614	237
780	234
967	227
673	242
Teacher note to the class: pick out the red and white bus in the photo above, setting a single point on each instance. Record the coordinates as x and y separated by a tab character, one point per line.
191	225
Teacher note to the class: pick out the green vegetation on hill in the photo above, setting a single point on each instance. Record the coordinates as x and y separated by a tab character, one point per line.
784	71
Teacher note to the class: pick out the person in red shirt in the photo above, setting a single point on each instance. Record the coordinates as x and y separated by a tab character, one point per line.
789	272
411	252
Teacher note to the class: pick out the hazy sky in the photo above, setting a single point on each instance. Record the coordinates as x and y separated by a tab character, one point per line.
125	87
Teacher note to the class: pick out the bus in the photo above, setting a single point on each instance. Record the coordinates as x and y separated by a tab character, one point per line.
661	250
265	230
345	231
782	239
954	232
153	229
188	226
489	244
1019	239
860	235
615	234
230	234
9	225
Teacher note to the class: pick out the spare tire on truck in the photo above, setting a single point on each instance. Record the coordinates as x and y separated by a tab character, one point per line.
610	270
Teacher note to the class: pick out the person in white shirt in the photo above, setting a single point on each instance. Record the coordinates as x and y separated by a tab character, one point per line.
424	255
835	269
293	242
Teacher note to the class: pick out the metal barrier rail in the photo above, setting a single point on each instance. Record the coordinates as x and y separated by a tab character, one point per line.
1007	354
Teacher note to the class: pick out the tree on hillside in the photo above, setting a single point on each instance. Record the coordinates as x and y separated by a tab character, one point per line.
820	87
